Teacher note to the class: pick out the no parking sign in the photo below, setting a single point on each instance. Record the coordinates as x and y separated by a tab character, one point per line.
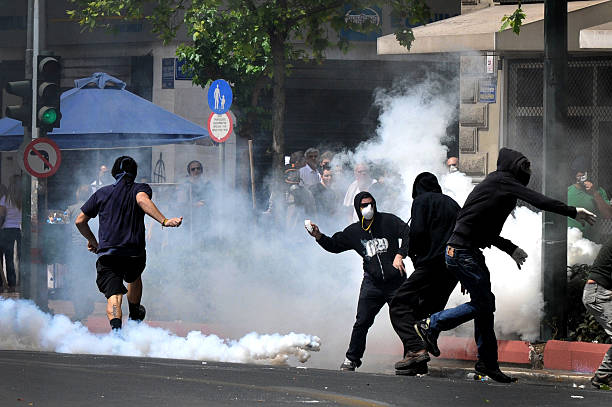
42	157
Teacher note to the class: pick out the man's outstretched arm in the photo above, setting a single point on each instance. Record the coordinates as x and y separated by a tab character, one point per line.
147	205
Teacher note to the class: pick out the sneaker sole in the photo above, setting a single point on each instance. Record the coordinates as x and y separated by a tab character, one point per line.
418	370
428	346
401	365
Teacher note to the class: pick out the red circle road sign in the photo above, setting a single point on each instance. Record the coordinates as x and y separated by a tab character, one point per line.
220	126
42	157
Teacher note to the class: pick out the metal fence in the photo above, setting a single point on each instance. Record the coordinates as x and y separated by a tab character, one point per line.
589	124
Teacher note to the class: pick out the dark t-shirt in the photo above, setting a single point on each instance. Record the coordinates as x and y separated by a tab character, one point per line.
602	266
121	225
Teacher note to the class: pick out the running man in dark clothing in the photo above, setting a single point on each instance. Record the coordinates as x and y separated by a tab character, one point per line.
428	288
121	249
478	225
375	237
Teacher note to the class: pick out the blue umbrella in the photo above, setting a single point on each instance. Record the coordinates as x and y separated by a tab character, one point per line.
100	113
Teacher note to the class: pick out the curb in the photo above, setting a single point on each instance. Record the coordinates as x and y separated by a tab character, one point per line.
542	376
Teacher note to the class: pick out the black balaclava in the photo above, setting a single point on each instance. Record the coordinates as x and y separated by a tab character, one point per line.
425	182
516	163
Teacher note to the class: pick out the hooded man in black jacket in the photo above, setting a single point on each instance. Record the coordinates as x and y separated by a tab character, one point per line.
478	225
428	288
375	237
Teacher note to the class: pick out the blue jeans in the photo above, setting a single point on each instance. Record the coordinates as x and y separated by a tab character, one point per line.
468	265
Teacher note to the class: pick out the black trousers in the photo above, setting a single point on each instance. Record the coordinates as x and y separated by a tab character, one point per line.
372	297
7	244
426	291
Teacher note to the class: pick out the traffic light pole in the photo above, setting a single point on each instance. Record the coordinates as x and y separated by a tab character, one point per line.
34	279
24	259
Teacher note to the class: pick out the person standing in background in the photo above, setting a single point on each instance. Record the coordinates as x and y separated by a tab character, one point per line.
101	179
585	194
309	174
10	222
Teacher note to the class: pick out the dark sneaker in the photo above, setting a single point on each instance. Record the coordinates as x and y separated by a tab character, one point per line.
415	369
427	336
411	359
348	365
140	315
494	374
602	381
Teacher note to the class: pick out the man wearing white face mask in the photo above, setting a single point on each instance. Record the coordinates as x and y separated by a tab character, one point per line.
585	194
375	237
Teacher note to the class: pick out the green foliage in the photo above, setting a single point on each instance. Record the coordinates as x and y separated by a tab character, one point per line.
581	325
514	21
248	42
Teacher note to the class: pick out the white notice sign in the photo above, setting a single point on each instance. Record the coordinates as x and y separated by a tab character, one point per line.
220	126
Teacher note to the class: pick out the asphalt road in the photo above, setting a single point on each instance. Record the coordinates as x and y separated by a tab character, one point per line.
53	379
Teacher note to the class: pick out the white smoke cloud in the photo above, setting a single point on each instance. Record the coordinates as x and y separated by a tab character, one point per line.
23	326
580	250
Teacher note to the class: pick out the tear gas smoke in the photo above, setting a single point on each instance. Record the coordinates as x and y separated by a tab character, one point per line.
23	326
237	270
579	249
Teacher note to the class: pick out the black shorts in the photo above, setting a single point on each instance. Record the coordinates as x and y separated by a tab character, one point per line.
114	270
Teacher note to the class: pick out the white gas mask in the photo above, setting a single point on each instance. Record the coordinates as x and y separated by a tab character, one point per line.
368	212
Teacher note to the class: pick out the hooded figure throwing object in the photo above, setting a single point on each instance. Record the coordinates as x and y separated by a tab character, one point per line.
121	247
478	225
428	288
375	237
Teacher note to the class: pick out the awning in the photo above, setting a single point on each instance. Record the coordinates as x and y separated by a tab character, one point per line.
100	113
479	30
599	36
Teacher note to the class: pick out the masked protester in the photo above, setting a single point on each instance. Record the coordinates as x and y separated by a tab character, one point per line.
584	193
375	237
478	225
121	247
428	288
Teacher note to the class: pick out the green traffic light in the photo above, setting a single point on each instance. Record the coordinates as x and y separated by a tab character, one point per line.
49	116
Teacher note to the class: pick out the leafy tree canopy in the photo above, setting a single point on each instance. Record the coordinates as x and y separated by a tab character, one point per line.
250	43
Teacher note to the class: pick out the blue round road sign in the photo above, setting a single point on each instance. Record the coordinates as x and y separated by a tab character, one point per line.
220	96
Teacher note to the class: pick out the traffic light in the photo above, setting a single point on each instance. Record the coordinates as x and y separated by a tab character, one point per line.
22	112
48	113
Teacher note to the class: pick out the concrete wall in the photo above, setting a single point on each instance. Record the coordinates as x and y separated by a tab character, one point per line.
479	131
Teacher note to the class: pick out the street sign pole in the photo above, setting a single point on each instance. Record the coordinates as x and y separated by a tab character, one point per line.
555	157
220	97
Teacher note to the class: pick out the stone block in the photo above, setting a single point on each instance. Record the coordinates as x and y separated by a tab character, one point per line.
468	139
474	115
474	164
473	64
469	90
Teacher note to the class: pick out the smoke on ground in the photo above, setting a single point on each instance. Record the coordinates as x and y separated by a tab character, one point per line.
23	326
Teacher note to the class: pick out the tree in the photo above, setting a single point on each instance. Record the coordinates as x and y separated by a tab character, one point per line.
250	43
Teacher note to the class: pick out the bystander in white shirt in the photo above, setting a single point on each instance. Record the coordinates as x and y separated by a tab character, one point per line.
309	176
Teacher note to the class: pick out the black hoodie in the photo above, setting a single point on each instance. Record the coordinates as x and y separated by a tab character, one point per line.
377	246
482	217
433	220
